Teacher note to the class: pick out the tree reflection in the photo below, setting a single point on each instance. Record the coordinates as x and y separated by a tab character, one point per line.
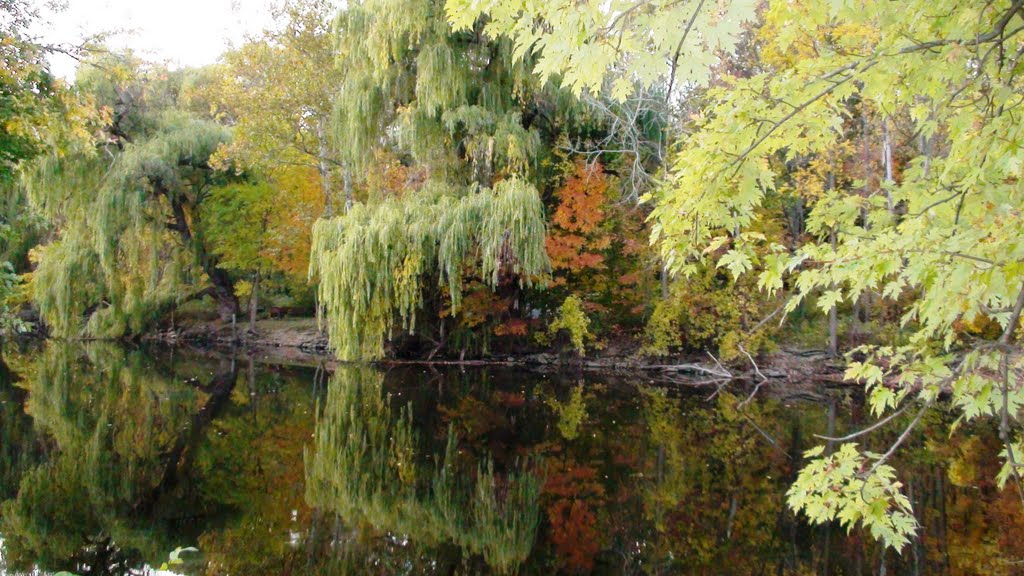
111	458
20	446
369	467
124	436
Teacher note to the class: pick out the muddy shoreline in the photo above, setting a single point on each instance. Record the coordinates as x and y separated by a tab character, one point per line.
299	342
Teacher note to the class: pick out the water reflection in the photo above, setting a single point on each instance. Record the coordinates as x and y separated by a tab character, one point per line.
372	467
111	458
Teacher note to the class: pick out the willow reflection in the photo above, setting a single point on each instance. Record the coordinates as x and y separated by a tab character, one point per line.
111	458
370	466
121	435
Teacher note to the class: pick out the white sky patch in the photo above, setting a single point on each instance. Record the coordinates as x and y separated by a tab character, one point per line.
180	33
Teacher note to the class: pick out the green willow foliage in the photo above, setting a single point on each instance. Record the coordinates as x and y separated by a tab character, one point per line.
116	263
454	102
366	466
452	106
373	262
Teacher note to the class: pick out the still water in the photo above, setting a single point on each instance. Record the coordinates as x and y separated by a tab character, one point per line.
112	458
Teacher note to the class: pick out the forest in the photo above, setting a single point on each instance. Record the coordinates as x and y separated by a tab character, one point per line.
726	188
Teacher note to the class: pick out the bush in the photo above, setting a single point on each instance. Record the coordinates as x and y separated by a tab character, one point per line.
710	310
574	321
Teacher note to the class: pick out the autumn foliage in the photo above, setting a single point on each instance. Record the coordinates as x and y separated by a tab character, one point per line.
597	247
579	233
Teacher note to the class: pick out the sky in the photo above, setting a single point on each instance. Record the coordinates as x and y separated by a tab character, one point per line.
179	32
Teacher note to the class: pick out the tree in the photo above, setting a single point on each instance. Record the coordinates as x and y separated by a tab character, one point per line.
37	112
595	242
262	229
276	91
577	241
453	107
374	261
237	219
614	44
130	235
29	95
952	242
944	233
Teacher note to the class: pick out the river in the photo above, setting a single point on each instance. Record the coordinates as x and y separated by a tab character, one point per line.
111	459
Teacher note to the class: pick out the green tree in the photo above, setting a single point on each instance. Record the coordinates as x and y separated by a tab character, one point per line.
38	112
237	220
456	108
276	91
261	231
28	92
614	45
131	241
943	234
373	262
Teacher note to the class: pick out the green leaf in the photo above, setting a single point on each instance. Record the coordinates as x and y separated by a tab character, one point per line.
736	262
814	452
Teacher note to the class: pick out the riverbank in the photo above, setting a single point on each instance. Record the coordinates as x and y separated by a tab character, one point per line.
299	341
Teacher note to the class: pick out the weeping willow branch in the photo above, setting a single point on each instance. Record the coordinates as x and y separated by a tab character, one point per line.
373	261
118	262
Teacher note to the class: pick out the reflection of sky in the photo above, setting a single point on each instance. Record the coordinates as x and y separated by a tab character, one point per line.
182	32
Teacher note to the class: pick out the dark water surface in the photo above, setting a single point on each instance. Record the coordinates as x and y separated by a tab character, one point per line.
112	458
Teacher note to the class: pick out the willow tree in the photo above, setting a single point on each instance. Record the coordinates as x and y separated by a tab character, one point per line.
453	102
130	239
374	261
132	246
38	111
462	115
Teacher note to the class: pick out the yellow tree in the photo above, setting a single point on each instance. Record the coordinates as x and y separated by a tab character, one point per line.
944	234
276	91
264	228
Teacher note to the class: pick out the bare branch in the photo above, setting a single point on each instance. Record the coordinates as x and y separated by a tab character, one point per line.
863	431
757	371
899	441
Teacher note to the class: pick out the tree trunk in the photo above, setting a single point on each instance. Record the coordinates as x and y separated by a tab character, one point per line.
323	168
223	290
833	316
223	287
254	301
833	313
